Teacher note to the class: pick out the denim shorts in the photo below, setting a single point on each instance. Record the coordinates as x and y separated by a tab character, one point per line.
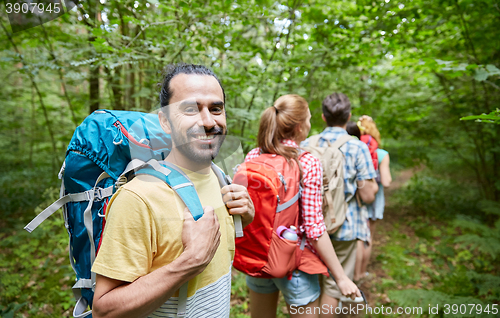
301	290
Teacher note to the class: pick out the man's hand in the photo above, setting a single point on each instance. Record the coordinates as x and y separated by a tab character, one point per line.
367	190
201	238
348	288
238	201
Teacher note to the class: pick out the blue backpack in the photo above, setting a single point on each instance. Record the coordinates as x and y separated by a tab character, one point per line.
106	149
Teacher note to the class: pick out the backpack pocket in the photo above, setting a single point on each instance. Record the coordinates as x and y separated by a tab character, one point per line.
281	257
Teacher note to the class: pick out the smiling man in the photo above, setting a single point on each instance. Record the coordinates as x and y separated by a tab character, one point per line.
151	245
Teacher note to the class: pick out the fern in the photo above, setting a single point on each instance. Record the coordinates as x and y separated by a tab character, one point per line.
488	285
482	237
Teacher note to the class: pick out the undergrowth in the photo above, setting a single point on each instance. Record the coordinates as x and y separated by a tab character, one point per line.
449	264
36	275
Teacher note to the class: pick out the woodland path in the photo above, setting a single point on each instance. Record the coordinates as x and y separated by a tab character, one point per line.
392	213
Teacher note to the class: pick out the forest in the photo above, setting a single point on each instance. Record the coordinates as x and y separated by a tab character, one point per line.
427	71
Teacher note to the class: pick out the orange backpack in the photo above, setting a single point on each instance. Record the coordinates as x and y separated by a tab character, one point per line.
274	186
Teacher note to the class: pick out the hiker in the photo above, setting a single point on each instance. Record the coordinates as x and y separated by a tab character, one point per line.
282	127
359	176
151	244
376	209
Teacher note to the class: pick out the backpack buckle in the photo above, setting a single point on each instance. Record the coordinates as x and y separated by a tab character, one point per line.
98	195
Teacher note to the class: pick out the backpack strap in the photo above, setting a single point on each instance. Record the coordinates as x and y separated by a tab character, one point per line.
314	141
95	193
341	141
178	181
288	203
224	180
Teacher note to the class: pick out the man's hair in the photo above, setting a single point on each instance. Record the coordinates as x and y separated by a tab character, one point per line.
336	108
171	70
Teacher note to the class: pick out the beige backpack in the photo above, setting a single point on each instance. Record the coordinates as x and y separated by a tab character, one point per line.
332	159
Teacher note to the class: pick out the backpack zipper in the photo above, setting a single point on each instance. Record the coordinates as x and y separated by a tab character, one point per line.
282	180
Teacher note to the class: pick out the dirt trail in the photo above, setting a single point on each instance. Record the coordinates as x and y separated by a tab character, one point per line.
377	274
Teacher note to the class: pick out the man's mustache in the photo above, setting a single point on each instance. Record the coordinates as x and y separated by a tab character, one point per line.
216	130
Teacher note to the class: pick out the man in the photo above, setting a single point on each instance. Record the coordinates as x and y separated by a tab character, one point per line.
151	245
359	176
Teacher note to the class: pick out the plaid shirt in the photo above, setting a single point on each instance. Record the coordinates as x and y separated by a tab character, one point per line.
311	199
358	166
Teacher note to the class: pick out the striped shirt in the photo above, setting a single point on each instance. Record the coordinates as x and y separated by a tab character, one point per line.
358	166
311	198
211	301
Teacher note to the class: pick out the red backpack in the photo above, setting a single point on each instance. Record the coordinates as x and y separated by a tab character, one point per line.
274	186
372	146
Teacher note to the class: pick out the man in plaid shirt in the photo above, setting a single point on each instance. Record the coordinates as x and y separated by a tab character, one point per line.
359	175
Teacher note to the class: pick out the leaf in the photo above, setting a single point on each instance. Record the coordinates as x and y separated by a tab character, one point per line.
481	75
492	69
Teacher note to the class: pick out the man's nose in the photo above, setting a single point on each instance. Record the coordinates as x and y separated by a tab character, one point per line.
206	119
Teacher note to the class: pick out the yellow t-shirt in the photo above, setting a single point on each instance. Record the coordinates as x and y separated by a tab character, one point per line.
143	233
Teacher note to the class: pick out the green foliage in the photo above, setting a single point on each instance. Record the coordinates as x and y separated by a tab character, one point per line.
429	299
480	236
439	196
36	275
455	249
493	117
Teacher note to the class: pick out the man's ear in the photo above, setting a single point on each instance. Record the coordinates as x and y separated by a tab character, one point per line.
350	115
164	123
323	117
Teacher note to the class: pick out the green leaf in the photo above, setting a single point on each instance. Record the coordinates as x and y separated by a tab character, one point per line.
481	75
492	69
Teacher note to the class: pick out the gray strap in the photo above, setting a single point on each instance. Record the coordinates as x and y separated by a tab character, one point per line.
238	226
223	181
82	283
182	302
137	163
61	171
42	216
154	163
341	141
80	307
303	241
287	204
72	197
81	303
87	221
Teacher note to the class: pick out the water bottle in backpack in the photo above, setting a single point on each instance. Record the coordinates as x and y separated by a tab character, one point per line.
287	233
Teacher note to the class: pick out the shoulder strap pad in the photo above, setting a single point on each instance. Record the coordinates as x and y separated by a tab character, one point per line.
341	141
178	181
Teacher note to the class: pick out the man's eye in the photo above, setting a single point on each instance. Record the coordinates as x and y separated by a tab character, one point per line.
216	110
190	110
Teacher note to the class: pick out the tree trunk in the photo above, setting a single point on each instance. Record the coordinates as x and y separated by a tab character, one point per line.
94	88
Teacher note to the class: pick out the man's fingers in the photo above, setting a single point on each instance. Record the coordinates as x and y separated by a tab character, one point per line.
187	214
232	188
235	195
237	203
208	210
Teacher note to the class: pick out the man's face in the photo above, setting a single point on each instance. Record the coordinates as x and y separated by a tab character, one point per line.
196	117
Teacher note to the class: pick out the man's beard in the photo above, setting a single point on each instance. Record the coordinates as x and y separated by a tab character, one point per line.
208	152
